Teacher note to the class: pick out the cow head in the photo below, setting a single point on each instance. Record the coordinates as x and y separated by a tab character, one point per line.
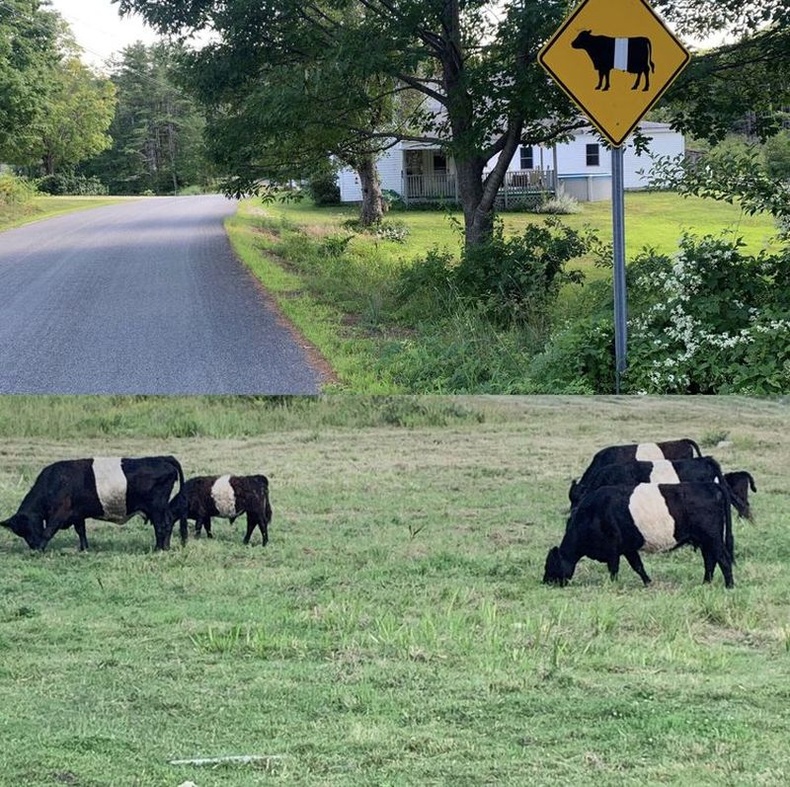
582	40
28	528
557	570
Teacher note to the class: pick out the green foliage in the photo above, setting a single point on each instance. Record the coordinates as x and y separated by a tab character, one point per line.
518	277
709	320
28	61
462	353
157	130
776	154
720	323
729	173
15	191
324	189
65	183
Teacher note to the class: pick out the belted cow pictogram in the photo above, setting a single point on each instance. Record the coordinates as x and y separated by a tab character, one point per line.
634	55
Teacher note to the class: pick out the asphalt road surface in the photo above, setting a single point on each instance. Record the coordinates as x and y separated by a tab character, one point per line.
141	297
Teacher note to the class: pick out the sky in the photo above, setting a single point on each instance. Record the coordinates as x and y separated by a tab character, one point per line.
99	30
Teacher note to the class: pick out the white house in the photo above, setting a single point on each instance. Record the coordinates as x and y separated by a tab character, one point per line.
581	168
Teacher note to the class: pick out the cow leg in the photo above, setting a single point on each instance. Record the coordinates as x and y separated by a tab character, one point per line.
714	556
614	566
79	526
709	558
252	523
725	564
207	526
635	561
163	528
638	80
600	80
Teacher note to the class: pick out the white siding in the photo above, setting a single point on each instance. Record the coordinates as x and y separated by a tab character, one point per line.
389	166
583	181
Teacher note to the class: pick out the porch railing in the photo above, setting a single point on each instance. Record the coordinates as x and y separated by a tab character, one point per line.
444	186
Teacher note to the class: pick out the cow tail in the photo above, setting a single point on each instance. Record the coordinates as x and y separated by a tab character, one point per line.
267	506
693	445
650	55
729	543
183	525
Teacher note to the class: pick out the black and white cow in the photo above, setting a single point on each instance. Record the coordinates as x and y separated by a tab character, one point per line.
740	482
634	55
623	520
683	448
112	489
660	471
225	496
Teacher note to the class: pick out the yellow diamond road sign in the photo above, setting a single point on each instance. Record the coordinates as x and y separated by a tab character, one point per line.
614	58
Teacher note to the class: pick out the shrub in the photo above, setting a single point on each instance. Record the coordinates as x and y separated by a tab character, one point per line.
559	204
63	184
716	313
462	353
15	191
324	189
518	277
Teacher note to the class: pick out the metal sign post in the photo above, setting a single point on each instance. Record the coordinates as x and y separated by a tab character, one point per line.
614	59
620	300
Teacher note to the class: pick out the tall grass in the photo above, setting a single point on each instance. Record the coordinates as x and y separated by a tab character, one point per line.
395	630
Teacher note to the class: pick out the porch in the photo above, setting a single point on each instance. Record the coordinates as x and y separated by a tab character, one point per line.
518	187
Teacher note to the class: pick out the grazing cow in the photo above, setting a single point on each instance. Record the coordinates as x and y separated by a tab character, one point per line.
634	55
225	496
660	471
740	481
616	454
113	489
624	520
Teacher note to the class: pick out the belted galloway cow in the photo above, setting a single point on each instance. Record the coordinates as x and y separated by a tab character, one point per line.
625	520
684	448
740	482
659	471
634	55
225	496
112	489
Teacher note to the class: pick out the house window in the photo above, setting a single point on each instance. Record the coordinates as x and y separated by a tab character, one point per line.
439	162
527	161
593	155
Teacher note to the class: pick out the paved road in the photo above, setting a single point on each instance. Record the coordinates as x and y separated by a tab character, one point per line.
144	297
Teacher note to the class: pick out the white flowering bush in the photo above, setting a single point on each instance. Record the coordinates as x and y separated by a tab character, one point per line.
709	320
713	320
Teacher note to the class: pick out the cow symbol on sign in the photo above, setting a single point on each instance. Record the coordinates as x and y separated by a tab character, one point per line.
634	55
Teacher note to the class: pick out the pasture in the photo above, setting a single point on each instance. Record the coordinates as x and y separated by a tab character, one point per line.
395	630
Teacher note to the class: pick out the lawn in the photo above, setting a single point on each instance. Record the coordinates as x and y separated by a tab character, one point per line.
655	219
14	215
395	630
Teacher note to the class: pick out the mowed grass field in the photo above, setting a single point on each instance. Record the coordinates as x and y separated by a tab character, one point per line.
395	630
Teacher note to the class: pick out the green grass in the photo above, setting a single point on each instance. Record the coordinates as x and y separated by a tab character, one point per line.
655	219
340	288
395	630
15	215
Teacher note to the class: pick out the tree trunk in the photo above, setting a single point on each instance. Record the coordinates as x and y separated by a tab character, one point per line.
478	215
372	210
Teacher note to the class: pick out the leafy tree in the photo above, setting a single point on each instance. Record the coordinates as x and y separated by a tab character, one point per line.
329	77
75	126
156	131
28	53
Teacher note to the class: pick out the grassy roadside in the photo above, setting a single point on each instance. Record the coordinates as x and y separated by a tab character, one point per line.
395	630
14	215
340	288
